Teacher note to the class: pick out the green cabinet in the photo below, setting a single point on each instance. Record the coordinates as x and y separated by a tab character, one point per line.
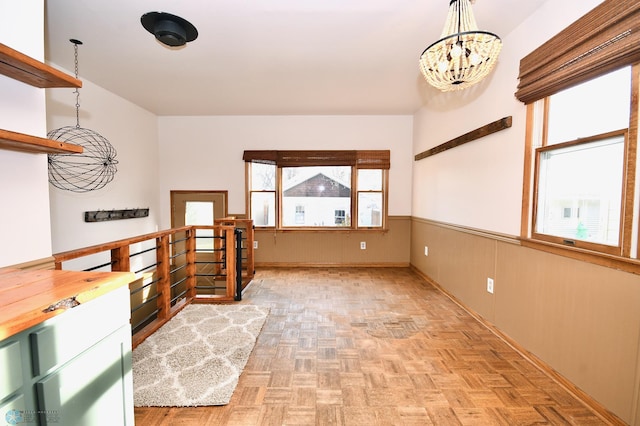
73	369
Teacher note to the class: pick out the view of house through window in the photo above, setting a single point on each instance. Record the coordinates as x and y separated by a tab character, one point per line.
580	190
317	196
322	192
580	163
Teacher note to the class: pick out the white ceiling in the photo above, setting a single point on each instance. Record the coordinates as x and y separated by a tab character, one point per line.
268	57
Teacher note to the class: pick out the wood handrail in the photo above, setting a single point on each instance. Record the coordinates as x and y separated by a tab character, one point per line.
99	248
168	302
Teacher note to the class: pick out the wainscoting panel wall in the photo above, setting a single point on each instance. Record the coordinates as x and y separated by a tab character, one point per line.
309	248
581	319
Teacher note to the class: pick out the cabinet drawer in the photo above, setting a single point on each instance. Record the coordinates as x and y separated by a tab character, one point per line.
67	335
10	369
94	389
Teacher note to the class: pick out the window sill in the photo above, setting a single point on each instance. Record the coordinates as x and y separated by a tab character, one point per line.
320	230
608	260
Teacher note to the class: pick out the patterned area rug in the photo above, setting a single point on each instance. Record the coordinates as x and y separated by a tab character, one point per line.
196	358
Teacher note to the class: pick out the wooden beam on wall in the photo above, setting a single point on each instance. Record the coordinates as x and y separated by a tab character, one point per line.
496	126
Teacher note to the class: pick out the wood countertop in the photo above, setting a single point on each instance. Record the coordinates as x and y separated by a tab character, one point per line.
28	298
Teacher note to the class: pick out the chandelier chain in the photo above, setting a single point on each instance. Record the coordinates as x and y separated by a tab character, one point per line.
77	90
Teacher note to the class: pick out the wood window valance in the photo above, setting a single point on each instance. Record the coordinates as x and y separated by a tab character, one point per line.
366	159
603	40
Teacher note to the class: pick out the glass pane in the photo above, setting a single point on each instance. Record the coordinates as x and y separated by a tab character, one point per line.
299	215
323	193
580	190
369	209
263	177
370	180
263	208
597	106
200	213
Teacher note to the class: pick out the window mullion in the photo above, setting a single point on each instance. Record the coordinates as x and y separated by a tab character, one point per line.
354	198
279	197
247	189
385	198
527	187
631	217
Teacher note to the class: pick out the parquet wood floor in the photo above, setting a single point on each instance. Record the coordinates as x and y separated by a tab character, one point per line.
377	346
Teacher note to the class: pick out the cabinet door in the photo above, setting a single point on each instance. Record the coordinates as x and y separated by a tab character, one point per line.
63	337
10	368
14	412
95	388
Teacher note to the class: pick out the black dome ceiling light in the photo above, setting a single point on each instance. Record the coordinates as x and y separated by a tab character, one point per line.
169	29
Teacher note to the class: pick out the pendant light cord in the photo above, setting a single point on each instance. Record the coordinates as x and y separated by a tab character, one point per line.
77	90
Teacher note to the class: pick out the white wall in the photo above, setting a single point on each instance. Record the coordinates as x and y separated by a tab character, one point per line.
24	197
205	153
133	133
479	184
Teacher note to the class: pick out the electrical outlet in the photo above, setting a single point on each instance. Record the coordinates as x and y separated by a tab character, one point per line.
255	245
426	251
363	245
490	285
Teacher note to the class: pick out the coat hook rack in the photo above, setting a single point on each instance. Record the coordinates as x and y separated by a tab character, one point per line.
104	215
496	126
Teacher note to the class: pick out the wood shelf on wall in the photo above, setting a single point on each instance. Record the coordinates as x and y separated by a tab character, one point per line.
26	143
21	67
33	72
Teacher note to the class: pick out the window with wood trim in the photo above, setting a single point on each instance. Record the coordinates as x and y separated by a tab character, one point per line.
582	89
318	189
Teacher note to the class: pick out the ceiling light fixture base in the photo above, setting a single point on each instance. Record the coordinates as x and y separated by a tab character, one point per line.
169	29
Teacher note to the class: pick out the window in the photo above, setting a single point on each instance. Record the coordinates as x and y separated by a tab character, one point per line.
579	163
581	180
579	190
370	197
317	189
299	215
322	189
200	213
263	194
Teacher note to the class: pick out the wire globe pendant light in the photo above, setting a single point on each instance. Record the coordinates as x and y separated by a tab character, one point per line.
95	167
464	55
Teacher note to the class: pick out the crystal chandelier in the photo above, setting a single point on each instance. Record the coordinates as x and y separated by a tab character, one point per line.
463	56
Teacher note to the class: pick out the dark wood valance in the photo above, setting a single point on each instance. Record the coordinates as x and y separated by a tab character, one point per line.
367	159
267	157
605	39
315	158
373	159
